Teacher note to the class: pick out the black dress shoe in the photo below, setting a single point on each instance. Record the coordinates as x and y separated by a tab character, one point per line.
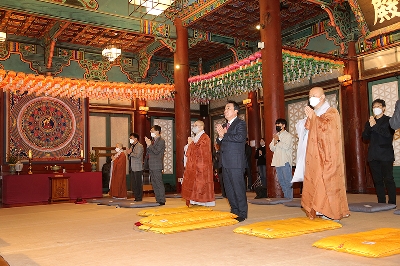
138	200
161	203
240	219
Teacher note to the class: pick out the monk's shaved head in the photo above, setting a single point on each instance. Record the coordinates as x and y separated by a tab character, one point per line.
316	92
199	123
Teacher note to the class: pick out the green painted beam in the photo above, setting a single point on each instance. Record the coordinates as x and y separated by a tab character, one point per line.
73	14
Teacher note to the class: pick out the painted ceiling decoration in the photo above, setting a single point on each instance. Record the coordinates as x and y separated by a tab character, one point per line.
228	28
40	85
21	24
91	4
238	18
245	75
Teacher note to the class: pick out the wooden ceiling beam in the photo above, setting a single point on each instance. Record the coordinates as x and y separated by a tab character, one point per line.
5	20
80	34
73	14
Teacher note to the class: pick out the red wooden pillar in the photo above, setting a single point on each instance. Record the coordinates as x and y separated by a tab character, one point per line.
140	119
2	129
253	128
272	81
182	96
353	127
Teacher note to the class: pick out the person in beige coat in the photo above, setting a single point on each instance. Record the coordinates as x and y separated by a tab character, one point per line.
282	147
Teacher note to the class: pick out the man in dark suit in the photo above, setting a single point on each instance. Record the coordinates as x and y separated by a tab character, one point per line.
248	175
155	151
232	139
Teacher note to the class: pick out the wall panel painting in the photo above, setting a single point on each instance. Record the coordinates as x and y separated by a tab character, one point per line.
52	128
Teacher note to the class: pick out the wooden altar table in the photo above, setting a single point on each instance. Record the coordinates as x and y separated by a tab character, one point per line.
30	189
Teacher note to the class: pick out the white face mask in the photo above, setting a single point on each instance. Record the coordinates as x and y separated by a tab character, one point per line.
314	101
131	141
117	149
195	130
377	111
153	135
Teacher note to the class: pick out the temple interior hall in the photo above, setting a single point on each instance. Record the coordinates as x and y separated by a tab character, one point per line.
79	76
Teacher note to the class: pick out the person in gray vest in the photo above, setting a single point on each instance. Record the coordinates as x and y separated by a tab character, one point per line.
155	152
135	157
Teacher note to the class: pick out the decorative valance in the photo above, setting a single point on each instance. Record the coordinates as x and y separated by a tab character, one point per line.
78	88
246	75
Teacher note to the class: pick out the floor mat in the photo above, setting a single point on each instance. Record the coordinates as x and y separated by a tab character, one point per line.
293	203
164	211
137	204
177	196
370	207
374	244
268	201
174	196
287	227
181	222
123	203
106	201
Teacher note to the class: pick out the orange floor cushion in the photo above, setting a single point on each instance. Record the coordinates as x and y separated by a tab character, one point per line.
287	227
180	222
163	210
374	244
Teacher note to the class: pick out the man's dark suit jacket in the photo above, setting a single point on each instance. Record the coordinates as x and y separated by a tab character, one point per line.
232	146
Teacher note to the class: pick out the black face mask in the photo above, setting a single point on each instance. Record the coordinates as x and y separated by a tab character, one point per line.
278	128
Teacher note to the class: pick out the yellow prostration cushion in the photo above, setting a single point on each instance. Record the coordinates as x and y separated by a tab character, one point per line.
183	228
286	228
374	244
163	211
172	220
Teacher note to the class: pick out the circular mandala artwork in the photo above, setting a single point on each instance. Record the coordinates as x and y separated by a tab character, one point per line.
47	124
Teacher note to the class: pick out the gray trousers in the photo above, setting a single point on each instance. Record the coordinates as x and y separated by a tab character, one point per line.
137	184
158	185
235	189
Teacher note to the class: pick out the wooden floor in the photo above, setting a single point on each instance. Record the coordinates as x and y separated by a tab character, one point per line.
88	234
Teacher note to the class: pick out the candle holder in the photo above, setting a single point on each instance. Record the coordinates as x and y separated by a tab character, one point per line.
82	165
30	167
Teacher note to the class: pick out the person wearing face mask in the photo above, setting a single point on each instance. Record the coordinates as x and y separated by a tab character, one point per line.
324	190
282	147
136	166
155	152
198	183
261	156
118	173
378	132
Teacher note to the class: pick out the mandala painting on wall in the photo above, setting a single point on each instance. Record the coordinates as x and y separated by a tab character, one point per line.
52	128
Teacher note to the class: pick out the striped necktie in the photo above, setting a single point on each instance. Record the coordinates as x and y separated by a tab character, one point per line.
227	125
